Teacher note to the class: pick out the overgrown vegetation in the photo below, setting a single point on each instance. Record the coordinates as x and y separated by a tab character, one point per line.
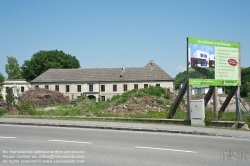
2	111
152	102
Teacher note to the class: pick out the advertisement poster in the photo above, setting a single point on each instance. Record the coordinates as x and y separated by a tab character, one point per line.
213	62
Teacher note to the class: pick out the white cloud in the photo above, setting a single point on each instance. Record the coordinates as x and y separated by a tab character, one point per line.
180	68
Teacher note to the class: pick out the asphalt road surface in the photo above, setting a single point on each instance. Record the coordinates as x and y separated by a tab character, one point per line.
37	145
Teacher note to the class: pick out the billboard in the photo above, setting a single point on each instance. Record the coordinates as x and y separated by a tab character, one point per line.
213	62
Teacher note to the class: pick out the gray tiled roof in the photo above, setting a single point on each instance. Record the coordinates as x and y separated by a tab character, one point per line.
149	72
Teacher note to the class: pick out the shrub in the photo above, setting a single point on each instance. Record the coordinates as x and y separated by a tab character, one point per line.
115	97
28	108
2	111
167	96
160	102
81	98
209	116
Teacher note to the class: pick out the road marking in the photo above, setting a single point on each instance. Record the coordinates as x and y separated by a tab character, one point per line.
7	137
174	150
77	142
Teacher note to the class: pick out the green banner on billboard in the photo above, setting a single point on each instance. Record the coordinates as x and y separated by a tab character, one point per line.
212	82
213	62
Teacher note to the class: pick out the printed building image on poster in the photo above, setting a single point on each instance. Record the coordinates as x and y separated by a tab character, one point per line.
213	62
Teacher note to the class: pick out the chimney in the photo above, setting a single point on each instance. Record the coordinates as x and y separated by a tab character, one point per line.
152	62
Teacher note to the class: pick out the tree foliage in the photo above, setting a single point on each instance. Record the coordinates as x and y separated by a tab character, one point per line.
200	72
245	82
10	98
1	84
12	68
180	78
44	60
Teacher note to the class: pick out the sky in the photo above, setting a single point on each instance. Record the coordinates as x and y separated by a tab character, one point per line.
117	33
194	47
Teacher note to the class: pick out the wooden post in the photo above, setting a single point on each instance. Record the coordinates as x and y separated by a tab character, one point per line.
215	103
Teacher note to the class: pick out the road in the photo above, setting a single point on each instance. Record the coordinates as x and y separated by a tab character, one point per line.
39	145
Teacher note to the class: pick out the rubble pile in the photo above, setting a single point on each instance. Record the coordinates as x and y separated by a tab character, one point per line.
43	97
2	103
135	105
143	104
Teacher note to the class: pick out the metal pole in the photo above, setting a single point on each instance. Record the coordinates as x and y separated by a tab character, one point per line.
188	88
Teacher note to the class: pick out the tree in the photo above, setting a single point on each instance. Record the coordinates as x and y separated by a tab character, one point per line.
180	78
1	85
12	68
245	82
44	60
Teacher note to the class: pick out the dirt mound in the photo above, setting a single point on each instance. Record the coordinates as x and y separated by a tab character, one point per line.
142	105
11	109
43	97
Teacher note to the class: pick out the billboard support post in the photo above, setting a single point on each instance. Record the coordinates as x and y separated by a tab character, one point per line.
215	103
188	87
238	113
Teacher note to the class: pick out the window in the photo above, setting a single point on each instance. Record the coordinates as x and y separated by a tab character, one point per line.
203	63
67	88
103	88
36	86
114	88
57	87
195	63
145	85
136	86
102	98
203	55
79	88
46	86
22	89
158	85
125	87
91	88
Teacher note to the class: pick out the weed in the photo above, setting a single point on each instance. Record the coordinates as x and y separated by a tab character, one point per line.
28	108
167	96
2	111
209	116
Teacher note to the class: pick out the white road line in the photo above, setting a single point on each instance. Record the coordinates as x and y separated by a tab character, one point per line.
77	142
8	137
174	150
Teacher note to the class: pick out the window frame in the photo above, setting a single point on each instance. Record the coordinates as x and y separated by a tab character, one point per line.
91	88
57	88
103	98
114	88
136	86
67	88
79	88
125	87
102	88
22	88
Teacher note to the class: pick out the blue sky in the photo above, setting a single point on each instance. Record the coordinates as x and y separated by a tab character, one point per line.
116	33
205	48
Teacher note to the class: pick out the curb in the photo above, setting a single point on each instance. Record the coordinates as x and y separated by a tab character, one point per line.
123	128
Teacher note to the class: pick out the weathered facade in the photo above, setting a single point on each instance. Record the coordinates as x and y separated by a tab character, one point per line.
103	83
19	86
